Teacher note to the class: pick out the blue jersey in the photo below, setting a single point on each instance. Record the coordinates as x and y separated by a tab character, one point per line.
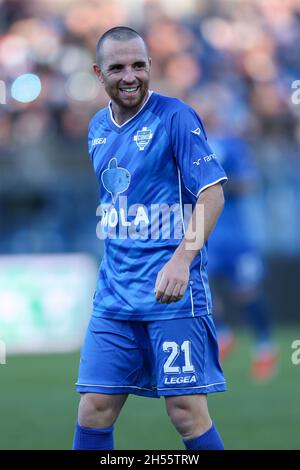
149	170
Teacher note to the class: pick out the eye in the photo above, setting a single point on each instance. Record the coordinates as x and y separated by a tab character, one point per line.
115	68
139	65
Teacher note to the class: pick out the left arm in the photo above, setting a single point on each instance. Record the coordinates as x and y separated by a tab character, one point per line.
172	279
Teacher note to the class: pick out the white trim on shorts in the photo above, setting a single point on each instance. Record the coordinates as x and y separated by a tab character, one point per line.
199	386
114	386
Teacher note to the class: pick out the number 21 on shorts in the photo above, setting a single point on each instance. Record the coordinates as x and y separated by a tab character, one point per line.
174	349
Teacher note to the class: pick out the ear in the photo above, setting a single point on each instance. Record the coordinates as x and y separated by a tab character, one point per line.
98	72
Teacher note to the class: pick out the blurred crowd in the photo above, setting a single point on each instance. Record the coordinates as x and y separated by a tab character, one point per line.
234	60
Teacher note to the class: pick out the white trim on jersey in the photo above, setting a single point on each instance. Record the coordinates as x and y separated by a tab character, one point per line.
201	256
182	220
199	192
204	287
124	123
206	186
211	184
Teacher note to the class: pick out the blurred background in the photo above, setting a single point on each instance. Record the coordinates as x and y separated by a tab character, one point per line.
235	61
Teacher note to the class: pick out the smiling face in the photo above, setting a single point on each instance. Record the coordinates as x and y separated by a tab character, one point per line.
124	71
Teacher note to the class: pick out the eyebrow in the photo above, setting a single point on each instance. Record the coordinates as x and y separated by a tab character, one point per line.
137	62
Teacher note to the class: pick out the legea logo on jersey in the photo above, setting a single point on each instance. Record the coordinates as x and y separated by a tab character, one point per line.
115	179
99	141
143	137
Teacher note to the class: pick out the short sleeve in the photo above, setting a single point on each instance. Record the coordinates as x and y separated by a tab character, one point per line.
198	165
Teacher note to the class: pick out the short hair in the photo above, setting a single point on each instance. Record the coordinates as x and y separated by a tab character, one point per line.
118	33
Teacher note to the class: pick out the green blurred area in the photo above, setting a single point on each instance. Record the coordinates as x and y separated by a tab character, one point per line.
38	405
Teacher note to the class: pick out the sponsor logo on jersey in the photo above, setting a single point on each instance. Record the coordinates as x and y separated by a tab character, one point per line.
180	380
206	159
115	179
99	141
143	137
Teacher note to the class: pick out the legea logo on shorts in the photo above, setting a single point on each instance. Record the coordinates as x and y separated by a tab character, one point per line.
180	380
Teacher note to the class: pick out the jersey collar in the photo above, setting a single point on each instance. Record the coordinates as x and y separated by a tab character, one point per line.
118	126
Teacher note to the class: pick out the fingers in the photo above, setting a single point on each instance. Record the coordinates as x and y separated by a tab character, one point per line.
167	292
160	286
159	275
182	290
171	283
165	299
176	292
163	288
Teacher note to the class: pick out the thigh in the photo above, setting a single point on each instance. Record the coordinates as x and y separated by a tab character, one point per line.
112	359
186	356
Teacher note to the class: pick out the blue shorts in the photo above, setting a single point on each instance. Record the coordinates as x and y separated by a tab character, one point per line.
155	358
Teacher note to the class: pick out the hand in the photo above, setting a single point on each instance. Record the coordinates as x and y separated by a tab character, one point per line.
171	281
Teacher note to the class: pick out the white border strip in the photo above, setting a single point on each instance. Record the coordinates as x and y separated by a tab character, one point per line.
201	261
113	386
184	388
204	288
182	221
211	184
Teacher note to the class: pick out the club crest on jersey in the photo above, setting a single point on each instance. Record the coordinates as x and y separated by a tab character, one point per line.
143	137
115	179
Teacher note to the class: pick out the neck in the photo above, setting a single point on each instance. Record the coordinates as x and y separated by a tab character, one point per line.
122	115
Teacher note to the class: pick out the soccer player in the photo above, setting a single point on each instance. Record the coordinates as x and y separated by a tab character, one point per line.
151	331
235	261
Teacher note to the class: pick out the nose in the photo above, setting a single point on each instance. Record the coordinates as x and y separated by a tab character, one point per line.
129	76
